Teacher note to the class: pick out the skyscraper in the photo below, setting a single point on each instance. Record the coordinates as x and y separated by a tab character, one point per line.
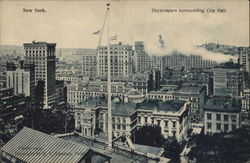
143	60
244	61
89	65
42	54
121	62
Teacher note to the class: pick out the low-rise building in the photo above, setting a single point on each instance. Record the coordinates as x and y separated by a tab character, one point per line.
160	95
79	92
93	116
194	94
134	96
171	116
11	105
245	103
221	115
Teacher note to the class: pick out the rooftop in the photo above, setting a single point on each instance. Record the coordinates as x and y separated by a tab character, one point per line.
222	104
122	108
171	105
38	43
189	90
134	93
33	146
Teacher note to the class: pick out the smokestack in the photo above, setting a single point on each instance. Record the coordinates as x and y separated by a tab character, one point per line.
161	41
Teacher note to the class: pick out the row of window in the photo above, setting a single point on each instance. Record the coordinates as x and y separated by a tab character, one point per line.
219	126
118	126
166	123
225	117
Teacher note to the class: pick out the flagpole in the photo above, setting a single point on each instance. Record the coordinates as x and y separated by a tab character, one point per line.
109	84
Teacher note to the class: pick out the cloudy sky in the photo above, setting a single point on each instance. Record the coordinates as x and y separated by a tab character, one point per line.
71	23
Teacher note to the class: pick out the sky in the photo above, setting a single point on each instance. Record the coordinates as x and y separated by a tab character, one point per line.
70	24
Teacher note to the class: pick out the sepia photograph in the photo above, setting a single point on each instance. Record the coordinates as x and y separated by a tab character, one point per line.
124	81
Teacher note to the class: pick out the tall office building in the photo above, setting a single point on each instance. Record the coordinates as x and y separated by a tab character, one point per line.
42	54
157	64
89	65
245	58
227	81
21	78
142	59
244	61
121	62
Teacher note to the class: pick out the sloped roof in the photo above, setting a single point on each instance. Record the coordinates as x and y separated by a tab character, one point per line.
134	92
33	146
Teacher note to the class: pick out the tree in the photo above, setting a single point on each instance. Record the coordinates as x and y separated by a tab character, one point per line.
222	147
149	135
172	148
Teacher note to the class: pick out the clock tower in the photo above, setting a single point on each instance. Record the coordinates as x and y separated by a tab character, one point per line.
87	123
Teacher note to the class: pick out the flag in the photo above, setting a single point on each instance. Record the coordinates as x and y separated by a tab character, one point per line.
114	37
97	32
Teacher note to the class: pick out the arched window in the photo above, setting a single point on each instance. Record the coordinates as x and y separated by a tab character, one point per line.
123	120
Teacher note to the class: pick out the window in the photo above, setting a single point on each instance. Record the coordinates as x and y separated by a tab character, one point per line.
218	117
174	133
124	127
209	125
225	117
166	123
124	120
118	127
218	126
209	116
233	127
158	122
233	117
146	119
225	127
174	124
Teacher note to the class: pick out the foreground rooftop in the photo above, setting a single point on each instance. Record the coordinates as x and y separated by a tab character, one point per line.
33	146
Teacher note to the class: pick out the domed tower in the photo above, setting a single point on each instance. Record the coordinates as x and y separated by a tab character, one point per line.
87	123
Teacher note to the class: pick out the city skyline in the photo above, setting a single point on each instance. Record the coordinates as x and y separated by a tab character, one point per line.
157	82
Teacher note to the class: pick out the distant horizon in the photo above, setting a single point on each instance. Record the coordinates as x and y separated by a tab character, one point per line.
117	43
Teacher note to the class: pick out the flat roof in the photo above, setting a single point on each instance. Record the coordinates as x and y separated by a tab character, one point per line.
122	108
39	43
190	90
222	104
171	105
